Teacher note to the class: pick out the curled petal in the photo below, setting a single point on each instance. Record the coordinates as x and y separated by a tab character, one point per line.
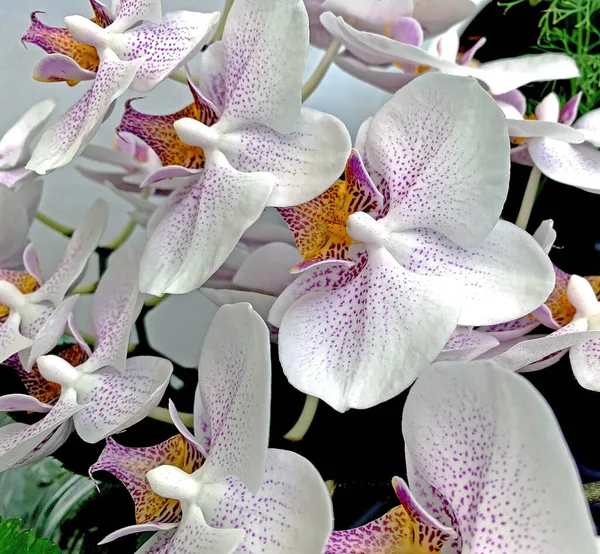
11	339
330	341
456	180
22	403
466	344
130	466
116	399
476	432
511	329
58	67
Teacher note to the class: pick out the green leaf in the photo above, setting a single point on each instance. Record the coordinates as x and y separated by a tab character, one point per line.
15	541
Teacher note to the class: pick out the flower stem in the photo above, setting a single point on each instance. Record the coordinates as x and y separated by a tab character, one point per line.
85	289
320	71
156	300
297	432
53	224
162	414
123	236
219	32
529	198
181	77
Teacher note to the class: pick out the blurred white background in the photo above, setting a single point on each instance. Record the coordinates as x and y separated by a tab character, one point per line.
177	326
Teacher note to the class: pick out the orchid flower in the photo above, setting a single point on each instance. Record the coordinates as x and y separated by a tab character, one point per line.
557	311
563	149
498	77
28	302
486	464
356	328
400	20
136	48
103	393
135	159
264	150
223	490
16	142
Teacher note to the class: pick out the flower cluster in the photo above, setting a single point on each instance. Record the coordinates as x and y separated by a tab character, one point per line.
375	267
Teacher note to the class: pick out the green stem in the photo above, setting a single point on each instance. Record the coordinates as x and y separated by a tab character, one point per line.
529	198
219	32
53	224
181	77
297	432
162	414
123	236
156	300
320	71
85	289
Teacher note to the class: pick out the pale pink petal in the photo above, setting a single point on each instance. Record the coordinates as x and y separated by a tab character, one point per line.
14	145
17	439
184	431
169	172
22	403
267	269
465	344
363	344
514	98
119	399
568	112
234	376
194	231
572	164
406	30
58	67
486	442
265	46
585	362
12	177
488	276
511	329
520	155
81	246
467	57
447	171
290	513
116	305
549	108
71	134
164	46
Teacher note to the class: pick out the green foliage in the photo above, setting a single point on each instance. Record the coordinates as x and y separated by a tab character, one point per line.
15	541
571	26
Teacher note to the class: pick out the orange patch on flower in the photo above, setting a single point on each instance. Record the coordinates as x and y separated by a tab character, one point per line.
25	282
558	303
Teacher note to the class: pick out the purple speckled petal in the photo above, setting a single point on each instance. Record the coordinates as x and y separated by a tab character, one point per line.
71	134
390	81
261	303
58	67
572	164
465	344
514	98
486	274
11	339
305	161
407	528
456	181
265	45
568	112
22	403
81	246
129	12
585	362
77	335
234	375
49	445
52	331
14	144
290	513
158	544
486	442
117	303
17	439
119	399
211	66
511	329
164	46
193	232
267	269
325	277
329	342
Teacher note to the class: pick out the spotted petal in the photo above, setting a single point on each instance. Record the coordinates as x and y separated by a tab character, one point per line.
193	231
129	12
446	171
585	362
130	466
465	344
346	346
234	378
81	246
487	443
119	399
511	329
407	528
164	46
71	134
